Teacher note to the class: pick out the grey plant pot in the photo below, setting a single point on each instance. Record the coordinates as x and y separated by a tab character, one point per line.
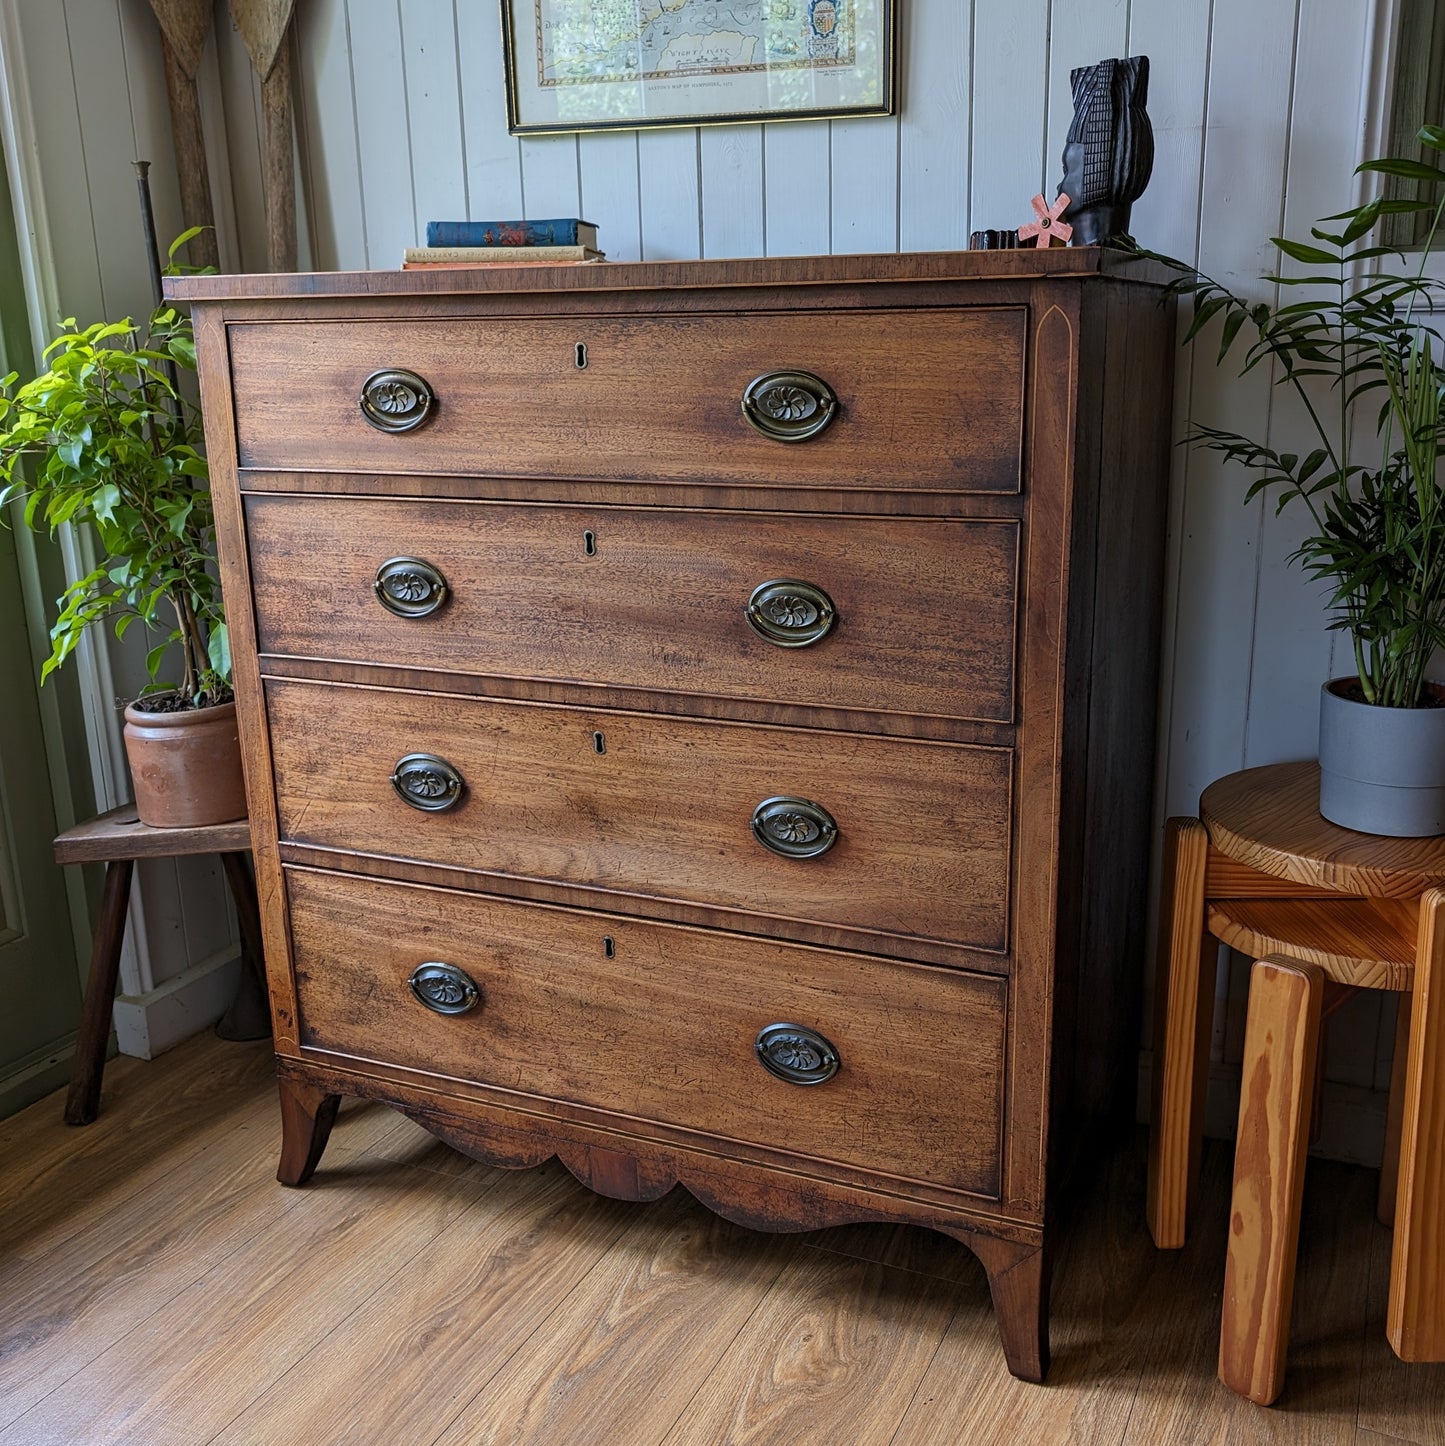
1382	770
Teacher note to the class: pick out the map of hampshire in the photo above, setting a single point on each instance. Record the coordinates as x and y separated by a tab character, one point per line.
582	42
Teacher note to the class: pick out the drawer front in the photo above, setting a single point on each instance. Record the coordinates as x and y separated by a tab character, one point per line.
658	807
665	1028
926	400
651	598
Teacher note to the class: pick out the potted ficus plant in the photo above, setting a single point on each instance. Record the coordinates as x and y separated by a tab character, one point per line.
105	437
1351	338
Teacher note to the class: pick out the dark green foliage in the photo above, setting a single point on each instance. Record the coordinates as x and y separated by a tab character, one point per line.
103	437
1358	353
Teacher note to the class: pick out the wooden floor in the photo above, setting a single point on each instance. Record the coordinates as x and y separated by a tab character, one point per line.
158	1286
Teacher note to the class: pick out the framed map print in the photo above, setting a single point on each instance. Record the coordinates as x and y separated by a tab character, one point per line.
583	65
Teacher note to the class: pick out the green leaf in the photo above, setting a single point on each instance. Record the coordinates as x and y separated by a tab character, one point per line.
1405	169
154	658
1232	323
1299	251
218	646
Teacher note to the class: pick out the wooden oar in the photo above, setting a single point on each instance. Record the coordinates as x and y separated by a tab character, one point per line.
184	24
264	26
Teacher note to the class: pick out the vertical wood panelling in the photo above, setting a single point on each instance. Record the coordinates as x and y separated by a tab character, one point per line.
1244	168
383	138
494	160
732	191
667	176
798	189
1010	89
329	153
551	182
864	162
610	197
433	108
933	132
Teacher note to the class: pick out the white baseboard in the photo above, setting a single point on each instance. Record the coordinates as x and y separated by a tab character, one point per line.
149	1024
1352	1129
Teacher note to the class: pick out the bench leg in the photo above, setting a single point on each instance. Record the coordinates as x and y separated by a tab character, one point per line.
1415	1320
82	1103
249	1013
1281	1041
1183	1018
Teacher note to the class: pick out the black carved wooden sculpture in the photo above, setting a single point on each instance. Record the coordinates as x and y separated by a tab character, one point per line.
1109	153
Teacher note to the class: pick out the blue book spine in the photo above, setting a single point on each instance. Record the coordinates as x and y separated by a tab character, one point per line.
566	232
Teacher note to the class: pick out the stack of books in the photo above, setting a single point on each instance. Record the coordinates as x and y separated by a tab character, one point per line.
568	242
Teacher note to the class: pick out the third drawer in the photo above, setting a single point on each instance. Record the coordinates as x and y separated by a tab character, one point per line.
659	808
922	615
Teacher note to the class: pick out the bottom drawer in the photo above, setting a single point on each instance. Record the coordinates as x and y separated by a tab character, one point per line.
660	1022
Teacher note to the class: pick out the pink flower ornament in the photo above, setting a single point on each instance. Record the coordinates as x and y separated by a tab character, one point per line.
1050	221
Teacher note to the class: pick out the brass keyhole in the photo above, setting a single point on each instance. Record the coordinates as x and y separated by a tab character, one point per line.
609	947
589	543
599	743
581	356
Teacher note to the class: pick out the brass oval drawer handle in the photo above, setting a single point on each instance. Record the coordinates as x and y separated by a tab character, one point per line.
796	828
396	400
789	613
427	782
796	1054
789	406
444	988
409	587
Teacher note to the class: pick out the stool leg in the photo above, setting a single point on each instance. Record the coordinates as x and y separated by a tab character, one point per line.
1395	1117
1281	1039
82	1103
249	1014
1183	1017
1415	1322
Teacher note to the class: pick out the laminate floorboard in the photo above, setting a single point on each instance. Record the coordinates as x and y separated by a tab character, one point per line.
157	1286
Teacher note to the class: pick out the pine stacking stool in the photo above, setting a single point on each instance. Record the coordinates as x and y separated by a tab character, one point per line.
1325	912
117	839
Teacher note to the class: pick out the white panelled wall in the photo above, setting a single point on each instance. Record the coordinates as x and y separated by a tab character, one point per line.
1261	109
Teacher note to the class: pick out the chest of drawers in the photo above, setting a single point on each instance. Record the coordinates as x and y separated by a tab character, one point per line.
698	717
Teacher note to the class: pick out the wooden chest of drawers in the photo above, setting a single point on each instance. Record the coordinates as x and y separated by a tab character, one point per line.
699	717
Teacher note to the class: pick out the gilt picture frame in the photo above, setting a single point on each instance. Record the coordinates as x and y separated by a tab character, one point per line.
595	65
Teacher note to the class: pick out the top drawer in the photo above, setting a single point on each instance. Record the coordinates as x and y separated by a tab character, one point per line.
925	400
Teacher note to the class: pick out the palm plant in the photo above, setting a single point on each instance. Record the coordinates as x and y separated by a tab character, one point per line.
1356	337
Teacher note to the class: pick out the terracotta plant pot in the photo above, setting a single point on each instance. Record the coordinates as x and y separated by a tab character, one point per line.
185	766
1382	770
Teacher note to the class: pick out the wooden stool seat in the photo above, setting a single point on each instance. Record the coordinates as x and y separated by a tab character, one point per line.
118	839
1316	906
1367	943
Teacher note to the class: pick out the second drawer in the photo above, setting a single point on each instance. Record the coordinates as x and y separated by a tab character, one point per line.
664	808
916	617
